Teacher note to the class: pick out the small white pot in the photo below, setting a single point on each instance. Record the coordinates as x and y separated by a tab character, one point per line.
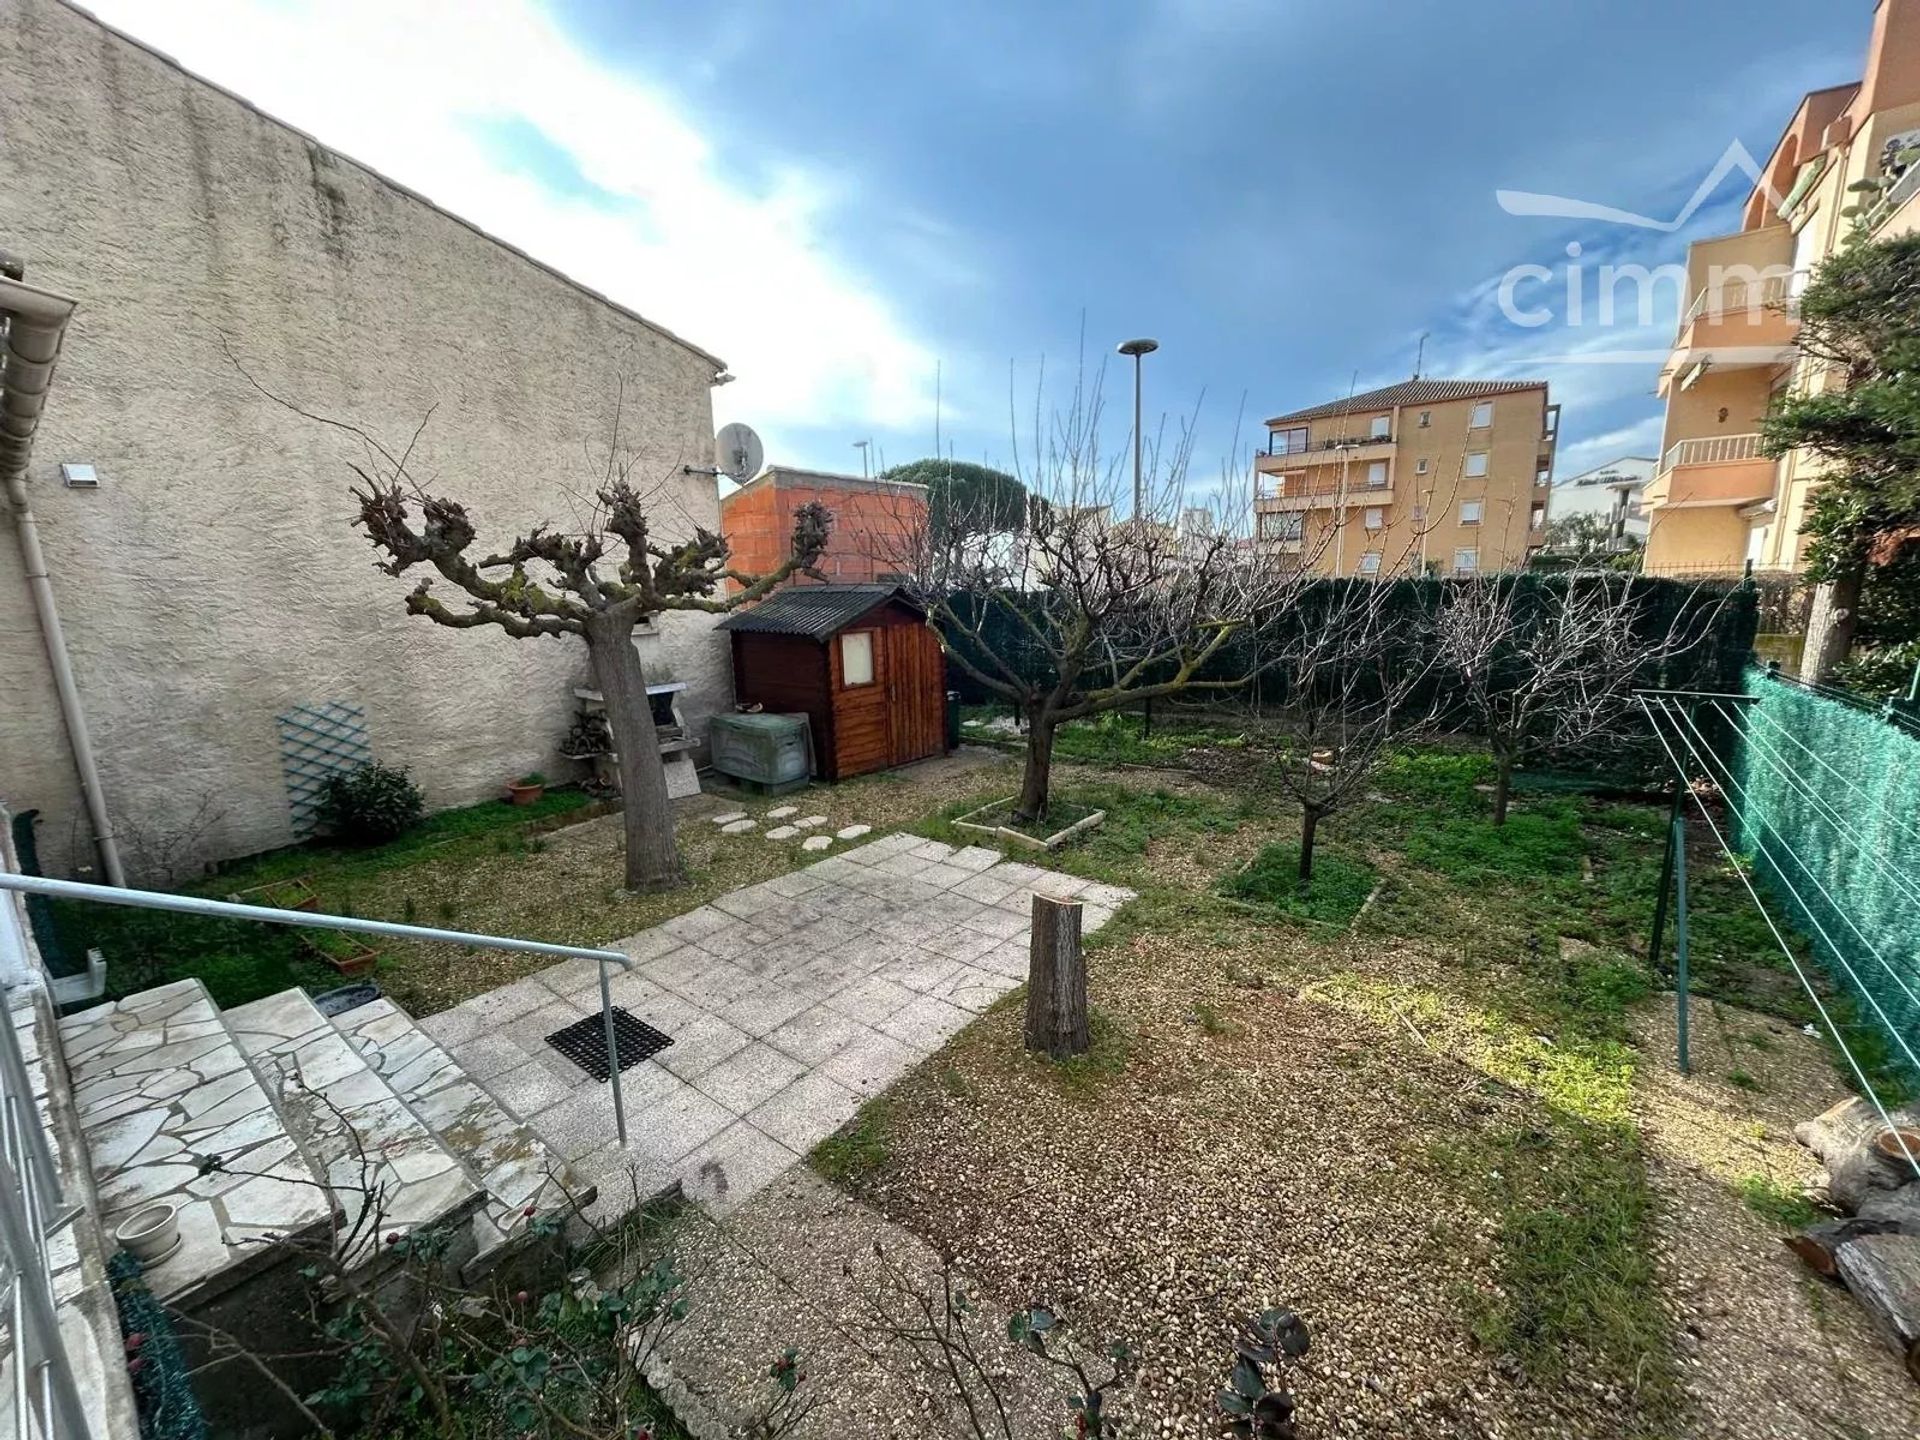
151	1233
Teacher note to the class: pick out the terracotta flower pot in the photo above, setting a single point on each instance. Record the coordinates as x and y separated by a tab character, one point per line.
518	794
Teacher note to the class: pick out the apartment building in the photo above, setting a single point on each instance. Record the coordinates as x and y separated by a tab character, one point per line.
1427	477
1717	501
1611	494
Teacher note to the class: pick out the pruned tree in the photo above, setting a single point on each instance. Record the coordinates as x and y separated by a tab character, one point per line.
596	583
1548	667
1076	610
1356	670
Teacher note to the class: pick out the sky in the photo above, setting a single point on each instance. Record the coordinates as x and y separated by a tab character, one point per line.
916	225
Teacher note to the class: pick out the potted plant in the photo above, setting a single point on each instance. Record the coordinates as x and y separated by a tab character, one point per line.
527	789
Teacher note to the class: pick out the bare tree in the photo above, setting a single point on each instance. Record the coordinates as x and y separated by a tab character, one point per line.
1075	610
1355	671
1546	668
597	583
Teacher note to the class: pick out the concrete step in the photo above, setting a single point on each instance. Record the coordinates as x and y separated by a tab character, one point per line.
374	1149
515	1166
161	1089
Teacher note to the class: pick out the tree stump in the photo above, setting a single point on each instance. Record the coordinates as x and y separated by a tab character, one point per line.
1883	1272
1057	981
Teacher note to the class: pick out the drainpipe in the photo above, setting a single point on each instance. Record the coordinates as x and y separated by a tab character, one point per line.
36	322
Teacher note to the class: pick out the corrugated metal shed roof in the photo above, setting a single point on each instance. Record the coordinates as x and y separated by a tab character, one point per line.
815	610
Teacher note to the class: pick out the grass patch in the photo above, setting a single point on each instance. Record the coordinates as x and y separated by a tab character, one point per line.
1212	1022
1333	896
858	1150
1542	840
1106	1055
1784	1205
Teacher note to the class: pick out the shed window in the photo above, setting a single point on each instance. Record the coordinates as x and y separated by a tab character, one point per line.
856	658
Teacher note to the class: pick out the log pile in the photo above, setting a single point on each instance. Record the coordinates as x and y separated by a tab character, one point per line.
1872	1245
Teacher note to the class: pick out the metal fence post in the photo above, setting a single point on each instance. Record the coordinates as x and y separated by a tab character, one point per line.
1678	841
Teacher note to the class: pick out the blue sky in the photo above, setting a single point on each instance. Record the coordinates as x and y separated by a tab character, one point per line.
837	197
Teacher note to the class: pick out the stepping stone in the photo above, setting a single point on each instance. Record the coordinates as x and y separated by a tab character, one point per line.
737	827
730	817
816	842
782	832
810	822
853	832
781	812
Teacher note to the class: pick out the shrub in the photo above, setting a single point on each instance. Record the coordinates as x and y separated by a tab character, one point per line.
370	805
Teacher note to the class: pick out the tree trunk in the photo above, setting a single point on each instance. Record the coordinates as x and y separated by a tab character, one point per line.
1039	772
1883	1272
653	860
1830	624
1502	787
1309	823
1057	981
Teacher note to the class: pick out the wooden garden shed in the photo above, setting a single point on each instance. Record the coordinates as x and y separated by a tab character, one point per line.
860	661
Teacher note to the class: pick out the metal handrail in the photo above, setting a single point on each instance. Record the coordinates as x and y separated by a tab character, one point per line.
229	910
46	1396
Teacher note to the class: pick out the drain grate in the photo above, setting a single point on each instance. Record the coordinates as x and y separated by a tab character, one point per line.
585	1042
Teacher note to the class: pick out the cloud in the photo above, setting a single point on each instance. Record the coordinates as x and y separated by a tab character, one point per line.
490	109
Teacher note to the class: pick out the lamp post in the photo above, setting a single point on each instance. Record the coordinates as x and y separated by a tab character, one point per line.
1137	348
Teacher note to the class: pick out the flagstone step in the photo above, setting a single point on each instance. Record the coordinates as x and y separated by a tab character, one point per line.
375	1150
162	1089
516	1168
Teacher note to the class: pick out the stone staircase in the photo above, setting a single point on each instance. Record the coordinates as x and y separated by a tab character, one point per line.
273	1128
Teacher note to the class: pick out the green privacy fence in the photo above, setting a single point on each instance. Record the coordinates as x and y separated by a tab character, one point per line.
1826	798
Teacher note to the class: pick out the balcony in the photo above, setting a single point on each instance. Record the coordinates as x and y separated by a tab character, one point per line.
1353	448
1723	470
1898	194
1735	322
1319	494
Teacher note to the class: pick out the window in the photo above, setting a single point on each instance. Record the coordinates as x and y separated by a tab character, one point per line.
1482	415
1426	419
1370	563
1466	562
1420	466
856	658
1377	473
1470	511
1477	465
1285	526
1380	427
1289	442
1537	518
1375	517
1419	513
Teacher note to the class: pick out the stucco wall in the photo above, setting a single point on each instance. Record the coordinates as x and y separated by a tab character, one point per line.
213	580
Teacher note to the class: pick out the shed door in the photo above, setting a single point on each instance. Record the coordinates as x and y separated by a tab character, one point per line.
917	682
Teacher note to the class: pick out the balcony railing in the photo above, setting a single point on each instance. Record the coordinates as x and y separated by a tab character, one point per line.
1903	190
1717	450
1348	443
1764	294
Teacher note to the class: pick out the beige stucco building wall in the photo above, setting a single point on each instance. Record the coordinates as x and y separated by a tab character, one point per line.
212	580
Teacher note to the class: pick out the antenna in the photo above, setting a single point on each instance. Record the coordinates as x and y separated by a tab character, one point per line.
1421	358
862	446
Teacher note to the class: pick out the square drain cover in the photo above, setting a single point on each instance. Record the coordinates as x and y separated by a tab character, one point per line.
584	1042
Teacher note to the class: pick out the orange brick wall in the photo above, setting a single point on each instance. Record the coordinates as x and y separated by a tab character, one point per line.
868	526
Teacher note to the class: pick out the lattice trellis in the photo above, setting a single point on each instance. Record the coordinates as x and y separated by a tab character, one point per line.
317	741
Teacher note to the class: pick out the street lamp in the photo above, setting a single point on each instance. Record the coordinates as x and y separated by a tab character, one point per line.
1137	348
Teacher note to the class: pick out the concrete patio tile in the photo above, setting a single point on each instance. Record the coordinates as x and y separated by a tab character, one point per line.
903	866
718	984
799	882
749	901
530	1031
749	1077
484	1055
695	923
1092	917
509	1002
931	849
646	1001
450	1027
1002	924
734	939
1020	873
624	1179
648	944
873	1061
572	976
974	989
676	1126
1011	958
962	944
1058	886
871	1000
529	1088
987	887
925	1024
815	1035
945	875
765	1008
734	1166
700	1045
580	1124
920	970
1112	896
806	1112
974	857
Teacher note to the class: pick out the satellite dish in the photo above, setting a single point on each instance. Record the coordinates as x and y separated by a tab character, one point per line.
737	452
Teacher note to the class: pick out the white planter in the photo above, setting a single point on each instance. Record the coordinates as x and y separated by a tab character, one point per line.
150	1234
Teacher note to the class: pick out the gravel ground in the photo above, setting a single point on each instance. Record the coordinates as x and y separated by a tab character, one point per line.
1768	1352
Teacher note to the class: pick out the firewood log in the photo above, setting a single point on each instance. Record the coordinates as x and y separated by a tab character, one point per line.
1901	1206
1818	1244
1883	1272
1846	1141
